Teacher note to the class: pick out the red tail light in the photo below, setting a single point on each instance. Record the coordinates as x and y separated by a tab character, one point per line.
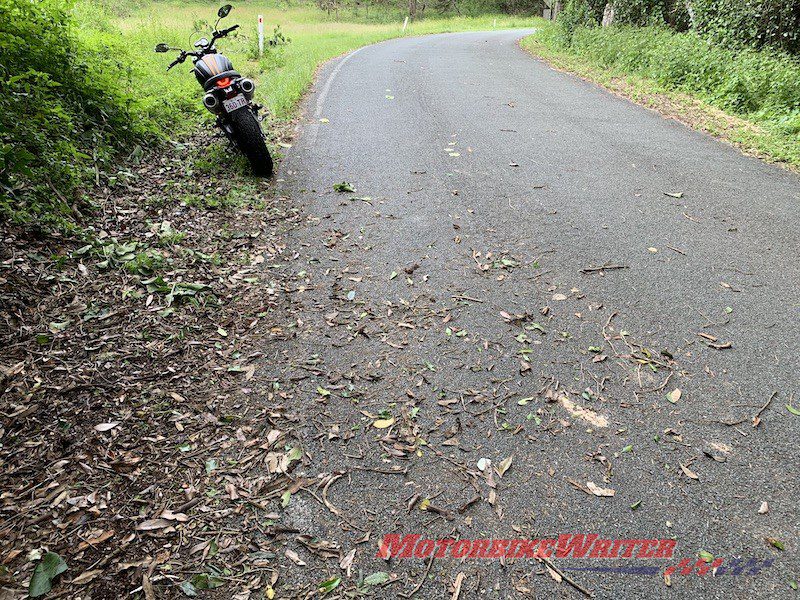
224	82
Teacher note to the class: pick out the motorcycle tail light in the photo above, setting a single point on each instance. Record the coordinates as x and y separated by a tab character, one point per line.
224	82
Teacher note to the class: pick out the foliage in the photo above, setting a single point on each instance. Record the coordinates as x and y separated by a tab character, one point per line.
64	107
576	13
750	22
50	567
733	23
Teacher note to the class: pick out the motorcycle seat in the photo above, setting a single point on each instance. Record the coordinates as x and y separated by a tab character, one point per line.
212	81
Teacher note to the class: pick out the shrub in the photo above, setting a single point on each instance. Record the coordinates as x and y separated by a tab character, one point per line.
575	14
64	108
750	22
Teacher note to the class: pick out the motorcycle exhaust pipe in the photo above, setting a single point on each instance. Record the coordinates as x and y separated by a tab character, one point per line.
248	87
211	102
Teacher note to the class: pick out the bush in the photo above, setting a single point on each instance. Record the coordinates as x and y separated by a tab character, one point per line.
64	108
757	23
575	14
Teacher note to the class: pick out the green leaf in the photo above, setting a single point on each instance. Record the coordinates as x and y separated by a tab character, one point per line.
322	391
377	578
628	448
793	410
705	556
330	585
636	505
204	581
775	543
50	567
188	589
343	187
286	497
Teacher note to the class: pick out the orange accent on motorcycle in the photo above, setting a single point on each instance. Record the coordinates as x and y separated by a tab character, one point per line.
224	82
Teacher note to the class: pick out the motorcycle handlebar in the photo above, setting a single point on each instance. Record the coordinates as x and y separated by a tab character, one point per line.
217	35
221	34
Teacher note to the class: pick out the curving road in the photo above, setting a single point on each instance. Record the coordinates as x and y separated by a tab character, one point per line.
485	182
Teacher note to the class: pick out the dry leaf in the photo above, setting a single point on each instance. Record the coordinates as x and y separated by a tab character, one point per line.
106	426
504	466
347	561
293	556
598	491
86	576
674	396
152	524
689	473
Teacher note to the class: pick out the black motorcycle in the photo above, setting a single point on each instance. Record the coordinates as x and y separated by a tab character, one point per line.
228	95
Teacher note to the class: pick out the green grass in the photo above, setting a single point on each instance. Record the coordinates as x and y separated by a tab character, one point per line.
749	97
285	73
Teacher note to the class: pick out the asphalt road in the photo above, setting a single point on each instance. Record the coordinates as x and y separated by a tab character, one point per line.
485	182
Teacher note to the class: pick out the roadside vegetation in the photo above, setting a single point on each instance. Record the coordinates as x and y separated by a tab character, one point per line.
732	70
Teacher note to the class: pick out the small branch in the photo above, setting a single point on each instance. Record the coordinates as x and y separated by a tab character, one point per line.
757	416
421	582
566	578
603	268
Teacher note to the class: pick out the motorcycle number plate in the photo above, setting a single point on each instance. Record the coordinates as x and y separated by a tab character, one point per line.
235	103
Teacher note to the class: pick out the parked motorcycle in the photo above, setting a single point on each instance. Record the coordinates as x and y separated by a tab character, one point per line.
228	95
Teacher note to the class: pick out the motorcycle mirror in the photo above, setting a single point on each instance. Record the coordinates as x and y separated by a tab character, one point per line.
224	11
162	48
201	43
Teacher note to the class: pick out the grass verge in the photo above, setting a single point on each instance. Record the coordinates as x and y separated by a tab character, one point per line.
749	99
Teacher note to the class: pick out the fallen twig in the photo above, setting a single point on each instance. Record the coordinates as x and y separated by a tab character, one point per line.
566	578
757	416
421	582
603	268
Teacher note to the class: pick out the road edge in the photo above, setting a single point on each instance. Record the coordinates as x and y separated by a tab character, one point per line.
746	137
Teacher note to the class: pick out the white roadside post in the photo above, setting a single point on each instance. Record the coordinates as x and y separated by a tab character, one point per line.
405	24
260	35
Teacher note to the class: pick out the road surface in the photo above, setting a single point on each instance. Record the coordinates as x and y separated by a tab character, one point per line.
450	309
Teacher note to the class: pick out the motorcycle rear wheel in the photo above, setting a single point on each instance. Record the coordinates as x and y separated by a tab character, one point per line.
250	140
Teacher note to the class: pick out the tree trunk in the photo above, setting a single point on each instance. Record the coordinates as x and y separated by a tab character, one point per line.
608	15
690	10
